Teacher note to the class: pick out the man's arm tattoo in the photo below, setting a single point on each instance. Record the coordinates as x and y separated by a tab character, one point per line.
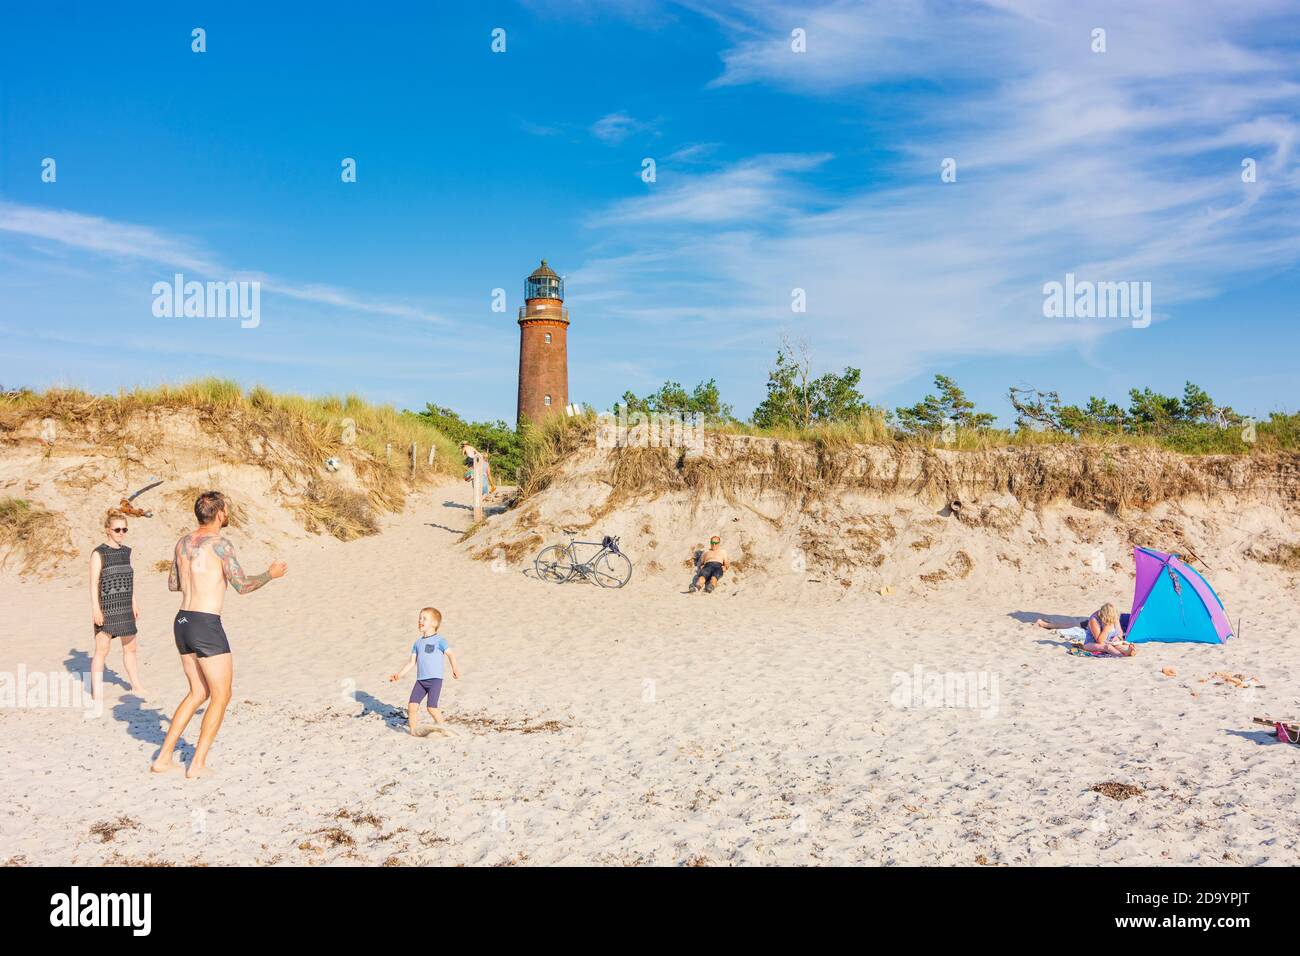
241	582
184	549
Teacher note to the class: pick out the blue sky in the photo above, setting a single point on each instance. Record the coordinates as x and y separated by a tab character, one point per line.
776	170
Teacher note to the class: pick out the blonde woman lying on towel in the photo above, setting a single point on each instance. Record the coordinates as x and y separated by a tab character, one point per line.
1101	633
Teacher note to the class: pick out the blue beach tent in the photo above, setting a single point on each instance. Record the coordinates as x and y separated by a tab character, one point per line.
1172	603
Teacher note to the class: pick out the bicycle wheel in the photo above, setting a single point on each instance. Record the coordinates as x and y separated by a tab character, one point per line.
611	570
554	564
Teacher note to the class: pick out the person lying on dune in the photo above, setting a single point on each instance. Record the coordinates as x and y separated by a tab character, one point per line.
712	564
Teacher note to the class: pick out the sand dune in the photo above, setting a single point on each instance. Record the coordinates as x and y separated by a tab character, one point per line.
761	724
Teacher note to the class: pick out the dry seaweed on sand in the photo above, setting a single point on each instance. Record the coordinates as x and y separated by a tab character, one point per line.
511	551
106	830
521	726
1118	791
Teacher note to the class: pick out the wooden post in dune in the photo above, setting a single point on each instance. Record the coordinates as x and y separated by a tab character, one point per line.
432	449
478	486
414	460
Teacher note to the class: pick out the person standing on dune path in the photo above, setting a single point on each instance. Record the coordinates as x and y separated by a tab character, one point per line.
203	563
471	455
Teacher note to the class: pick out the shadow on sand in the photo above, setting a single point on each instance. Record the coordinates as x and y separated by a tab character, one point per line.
1057	620
1261	737
1051	643
394	717
78	662
149	724
496	508
443	527
489	510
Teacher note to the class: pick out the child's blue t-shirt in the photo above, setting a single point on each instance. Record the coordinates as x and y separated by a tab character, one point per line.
428	653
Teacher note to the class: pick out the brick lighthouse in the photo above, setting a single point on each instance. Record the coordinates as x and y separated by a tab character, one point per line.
543	346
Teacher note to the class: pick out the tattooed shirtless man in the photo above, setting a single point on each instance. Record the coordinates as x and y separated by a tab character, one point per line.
202	565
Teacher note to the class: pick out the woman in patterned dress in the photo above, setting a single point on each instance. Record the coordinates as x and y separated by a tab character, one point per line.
112	603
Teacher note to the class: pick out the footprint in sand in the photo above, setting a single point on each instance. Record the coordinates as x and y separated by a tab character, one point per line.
436	731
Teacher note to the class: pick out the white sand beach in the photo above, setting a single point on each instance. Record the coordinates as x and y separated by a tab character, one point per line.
961	324
757	725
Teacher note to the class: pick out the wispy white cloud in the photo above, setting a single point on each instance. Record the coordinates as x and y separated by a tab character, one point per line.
539	129
691	153
103	237
1117	166
614	128
761	187
114	342
853	42
60	230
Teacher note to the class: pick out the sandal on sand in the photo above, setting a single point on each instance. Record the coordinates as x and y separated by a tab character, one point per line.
708	589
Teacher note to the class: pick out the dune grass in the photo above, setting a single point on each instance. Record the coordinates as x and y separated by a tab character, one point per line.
291	435
1285	556
314	427
1099	470
867	429
1280	432
547	444
31	534
235	516
342	512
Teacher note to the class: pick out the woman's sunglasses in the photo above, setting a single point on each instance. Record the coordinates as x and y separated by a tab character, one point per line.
118	530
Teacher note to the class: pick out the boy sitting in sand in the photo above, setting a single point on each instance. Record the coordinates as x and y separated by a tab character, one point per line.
426	657
1100	634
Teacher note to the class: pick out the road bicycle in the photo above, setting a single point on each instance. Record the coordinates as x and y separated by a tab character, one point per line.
608	566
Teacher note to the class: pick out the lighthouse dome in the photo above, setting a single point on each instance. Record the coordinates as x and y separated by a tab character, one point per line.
544	283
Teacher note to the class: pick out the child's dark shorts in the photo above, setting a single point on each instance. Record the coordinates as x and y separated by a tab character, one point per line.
431	687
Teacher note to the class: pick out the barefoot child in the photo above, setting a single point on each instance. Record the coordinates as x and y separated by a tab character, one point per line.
426	657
